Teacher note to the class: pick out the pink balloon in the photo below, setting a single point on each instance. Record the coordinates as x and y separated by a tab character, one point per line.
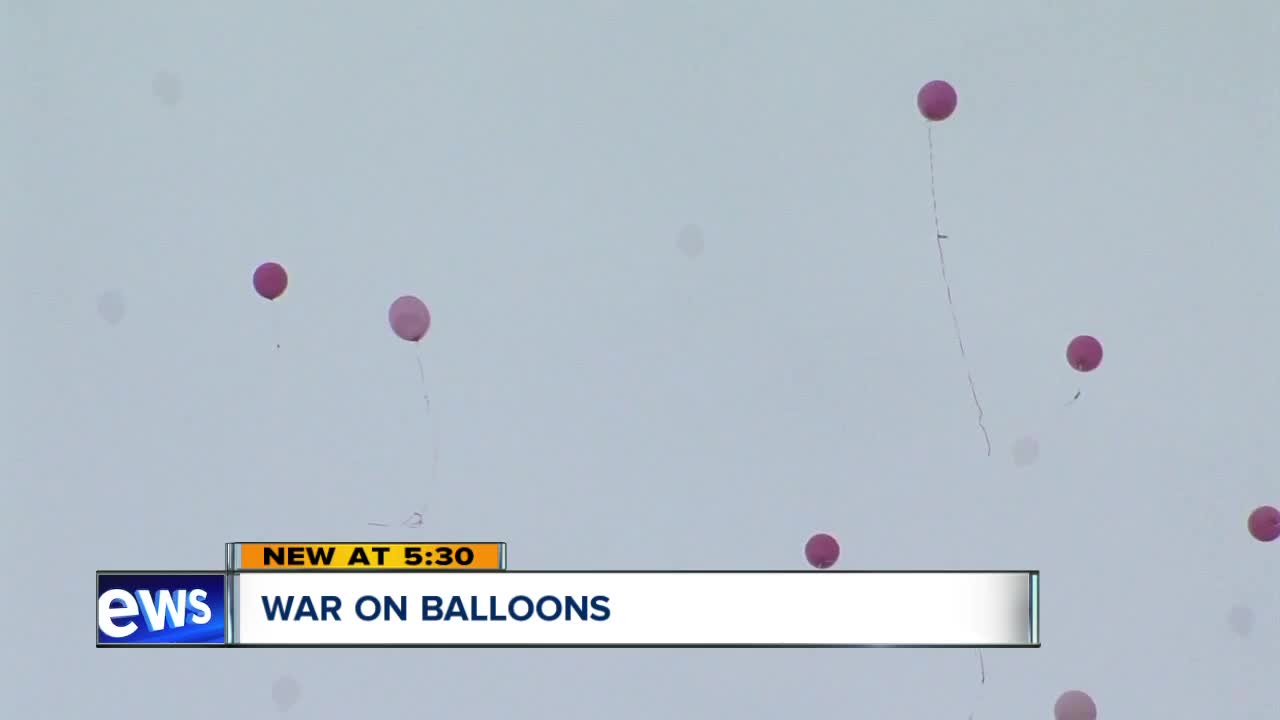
270	280
409	318
1084	353
1075	705
822	551
936	100
1264	524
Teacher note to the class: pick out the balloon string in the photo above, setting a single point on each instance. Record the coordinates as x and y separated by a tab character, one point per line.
422	378
955	319
415	518
1047	420
435	436
982	677
1061	412
413	521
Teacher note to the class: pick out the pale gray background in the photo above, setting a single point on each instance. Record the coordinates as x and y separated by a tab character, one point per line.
602	400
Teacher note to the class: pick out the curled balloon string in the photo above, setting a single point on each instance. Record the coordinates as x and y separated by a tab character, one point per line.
951	304
413	521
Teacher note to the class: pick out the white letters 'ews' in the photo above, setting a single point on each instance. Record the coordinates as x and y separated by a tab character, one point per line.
163	610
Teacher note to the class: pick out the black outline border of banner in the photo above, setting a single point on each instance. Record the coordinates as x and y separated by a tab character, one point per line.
1033	596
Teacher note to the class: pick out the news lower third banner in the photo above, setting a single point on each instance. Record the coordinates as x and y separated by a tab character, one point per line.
397	608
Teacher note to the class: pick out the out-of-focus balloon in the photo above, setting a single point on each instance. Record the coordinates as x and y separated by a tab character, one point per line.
1264	524
690	241
822	551
1084	353
1075	705
1025	451
111	307
285	692
936	100
167	88
270	280
1241	619
409	317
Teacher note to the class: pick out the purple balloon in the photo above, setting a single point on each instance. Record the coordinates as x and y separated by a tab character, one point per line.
822	551
409	318
1264	524
270	280
936	100
1084	353
1075	705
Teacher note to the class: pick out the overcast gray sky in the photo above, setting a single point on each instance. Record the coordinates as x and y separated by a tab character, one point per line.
601	399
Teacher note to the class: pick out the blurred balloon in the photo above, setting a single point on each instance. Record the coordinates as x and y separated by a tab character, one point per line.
822	551
936	100
1084	353
409	318
1264	523
1025	451
111	307
1075	705
167	88
1241	619
270	280
690	241
285	692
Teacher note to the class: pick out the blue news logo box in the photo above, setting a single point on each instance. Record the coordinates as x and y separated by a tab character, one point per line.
136	609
